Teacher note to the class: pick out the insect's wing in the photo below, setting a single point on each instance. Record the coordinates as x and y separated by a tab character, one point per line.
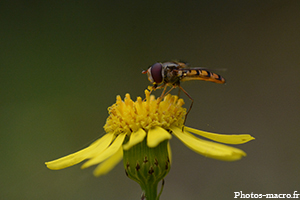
174	65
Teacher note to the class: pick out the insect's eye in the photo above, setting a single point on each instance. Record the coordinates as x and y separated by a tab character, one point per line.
156	73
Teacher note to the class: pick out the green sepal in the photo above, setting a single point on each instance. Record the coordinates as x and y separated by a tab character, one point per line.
147	166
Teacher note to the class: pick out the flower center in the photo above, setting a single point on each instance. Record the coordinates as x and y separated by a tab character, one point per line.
128	116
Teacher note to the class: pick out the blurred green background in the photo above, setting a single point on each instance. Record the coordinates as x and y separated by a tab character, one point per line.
62	64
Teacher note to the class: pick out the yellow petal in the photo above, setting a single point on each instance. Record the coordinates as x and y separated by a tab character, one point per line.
227	139
112	149
79	156
100	147
207	148
156	135
135	138
109	164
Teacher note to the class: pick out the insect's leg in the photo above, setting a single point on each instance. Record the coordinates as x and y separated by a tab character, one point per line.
161	86
190	105
165	94
179	92
152	88
164	90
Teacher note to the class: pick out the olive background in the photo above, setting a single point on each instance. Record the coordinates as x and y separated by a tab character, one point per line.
63	64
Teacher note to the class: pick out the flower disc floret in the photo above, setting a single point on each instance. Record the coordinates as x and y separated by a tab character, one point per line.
129	116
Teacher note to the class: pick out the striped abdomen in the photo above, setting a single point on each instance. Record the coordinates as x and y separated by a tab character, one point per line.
201	74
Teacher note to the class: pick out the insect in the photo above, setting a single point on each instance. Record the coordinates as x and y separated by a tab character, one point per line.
165	74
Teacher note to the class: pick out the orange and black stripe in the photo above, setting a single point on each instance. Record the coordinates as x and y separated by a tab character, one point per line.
201	74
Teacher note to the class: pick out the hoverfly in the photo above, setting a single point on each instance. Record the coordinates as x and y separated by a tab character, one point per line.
165	74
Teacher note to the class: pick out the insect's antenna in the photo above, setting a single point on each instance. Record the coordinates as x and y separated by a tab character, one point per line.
190	105
145	71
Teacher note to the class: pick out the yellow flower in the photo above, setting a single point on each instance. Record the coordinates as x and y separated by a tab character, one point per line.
155	120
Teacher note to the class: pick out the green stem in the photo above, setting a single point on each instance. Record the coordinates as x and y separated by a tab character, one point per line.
150	192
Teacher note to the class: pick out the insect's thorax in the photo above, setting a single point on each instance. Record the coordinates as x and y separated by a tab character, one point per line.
171	75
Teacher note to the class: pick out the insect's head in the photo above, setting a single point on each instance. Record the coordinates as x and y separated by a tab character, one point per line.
155	73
